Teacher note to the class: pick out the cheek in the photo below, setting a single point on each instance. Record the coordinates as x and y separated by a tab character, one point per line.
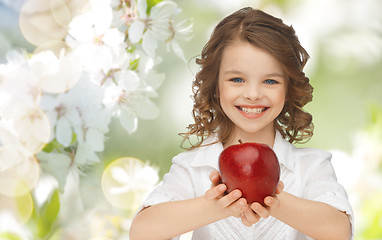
226	95
222	93
280	100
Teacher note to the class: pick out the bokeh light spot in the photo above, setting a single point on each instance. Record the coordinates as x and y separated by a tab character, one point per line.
20	178
21	207
37	23
126	181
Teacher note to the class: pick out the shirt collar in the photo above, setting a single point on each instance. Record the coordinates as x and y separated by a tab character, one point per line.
208	153
284	151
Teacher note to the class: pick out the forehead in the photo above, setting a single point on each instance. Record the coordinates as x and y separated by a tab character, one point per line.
245	57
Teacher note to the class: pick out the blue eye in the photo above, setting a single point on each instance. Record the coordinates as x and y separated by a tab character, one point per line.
237	79
270	81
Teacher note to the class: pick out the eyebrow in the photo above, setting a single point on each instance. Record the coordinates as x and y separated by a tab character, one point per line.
232	72
274	74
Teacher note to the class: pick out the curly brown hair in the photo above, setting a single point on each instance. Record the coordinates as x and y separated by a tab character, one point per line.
272	35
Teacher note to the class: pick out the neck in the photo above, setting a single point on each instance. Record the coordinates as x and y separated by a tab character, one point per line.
265	138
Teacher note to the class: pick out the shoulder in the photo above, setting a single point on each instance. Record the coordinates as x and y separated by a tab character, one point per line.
285	148
311	153
292	156
206	155
185	157
313	160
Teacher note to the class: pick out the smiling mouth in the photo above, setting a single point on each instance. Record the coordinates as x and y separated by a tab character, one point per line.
252	110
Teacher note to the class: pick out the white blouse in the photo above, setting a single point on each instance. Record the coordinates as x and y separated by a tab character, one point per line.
305	172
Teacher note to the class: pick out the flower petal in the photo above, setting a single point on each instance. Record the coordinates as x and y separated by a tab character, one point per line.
113	37
149	43
145	108
95	140
81	27
163	9
177	50
63	132
142	6
128	121
136	31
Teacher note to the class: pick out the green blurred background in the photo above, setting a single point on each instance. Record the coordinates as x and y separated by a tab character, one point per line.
344	39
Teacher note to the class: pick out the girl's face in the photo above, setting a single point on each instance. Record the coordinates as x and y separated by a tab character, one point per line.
252	90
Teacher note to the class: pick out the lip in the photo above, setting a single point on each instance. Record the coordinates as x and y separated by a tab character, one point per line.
252	111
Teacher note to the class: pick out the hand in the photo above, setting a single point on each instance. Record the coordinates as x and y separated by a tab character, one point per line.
231	204
257	211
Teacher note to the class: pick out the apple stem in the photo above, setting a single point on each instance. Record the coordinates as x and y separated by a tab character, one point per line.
241	142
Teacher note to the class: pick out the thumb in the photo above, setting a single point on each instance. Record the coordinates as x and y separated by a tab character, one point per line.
215	178
215	192
280	187
272	201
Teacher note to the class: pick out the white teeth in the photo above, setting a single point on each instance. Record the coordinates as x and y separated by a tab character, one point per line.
252	110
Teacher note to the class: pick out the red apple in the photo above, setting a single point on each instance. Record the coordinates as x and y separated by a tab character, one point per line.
252	168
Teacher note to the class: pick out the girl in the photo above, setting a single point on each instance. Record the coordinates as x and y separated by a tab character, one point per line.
251	86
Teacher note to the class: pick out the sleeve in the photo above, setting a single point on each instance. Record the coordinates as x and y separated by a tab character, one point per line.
176	185
322	185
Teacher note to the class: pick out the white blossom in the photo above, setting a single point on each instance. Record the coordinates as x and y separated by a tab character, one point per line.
180	31
55	74
22	173
148	74
57	105
97	44
17	80
156	27
80	112
23	125
129	98
63	115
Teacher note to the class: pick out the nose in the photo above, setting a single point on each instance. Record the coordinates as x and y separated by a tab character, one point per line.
253	91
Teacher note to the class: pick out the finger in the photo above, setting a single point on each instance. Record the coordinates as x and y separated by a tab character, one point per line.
251	217
215	192
272	201
213	174
260	210
280	187
244	220
215	178
230	198
268	201
238	207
